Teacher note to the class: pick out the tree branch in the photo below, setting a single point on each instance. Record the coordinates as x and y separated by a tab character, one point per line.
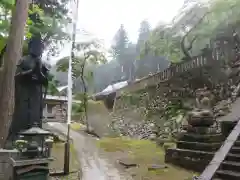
185	49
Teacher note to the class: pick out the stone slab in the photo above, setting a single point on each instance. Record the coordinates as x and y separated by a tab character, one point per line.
6	169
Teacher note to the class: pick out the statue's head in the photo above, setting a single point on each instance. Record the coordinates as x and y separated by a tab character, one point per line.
35	46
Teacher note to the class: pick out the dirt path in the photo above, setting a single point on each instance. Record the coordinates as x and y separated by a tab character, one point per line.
93	164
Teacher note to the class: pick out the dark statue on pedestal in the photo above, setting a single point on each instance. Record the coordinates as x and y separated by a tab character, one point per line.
30	89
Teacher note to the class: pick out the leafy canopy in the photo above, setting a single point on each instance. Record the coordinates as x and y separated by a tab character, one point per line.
200	20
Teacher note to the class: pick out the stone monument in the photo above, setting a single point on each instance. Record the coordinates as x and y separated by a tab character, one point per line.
201	117
200	139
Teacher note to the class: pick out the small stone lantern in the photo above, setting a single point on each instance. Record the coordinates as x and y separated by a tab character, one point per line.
35	143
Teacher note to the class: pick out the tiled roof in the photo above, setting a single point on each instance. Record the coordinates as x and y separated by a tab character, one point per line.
60	98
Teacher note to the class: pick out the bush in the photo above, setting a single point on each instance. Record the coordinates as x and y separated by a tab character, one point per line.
168	145
76	126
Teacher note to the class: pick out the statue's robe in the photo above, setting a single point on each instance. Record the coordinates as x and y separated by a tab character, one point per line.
28	96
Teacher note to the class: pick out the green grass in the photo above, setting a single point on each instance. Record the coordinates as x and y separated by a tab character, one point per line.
58	155
76	126
144	153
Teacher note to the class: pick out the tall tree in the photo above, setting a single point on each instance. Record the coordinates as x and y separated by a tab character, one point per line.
85	53
144	33
12	55
142	63
53	85
46	17
194	27
53	20
119	49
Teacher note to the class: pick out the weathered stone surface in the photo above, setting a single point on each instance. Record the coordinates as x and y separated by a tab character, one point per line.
222	108
127	162
6	169
152	167
200	117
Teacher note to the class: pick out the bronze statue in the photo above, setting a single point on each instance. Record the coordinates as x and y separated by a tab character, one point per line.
30	80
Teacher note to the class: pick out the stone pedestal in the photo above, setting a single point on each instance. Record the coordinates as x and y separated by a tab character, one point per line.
36	169
197	143
6	169
13	167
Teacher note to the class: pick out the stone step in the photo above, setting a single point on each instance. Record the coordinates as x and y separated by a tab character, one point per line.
207	138
233	157
227	175
200	146
237	143
188	159
190	153
235	150
230	166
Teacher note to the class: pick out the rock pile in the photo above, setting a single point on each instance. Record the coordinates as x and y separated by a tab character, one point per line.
139	130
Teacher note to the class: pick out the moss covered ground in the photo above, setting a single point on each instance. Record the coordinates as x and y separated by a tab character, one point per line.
144	153
57	164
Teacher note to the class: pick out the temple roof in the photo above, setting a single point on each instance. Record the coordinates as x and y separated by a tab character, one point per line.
110	89
35	131
60	99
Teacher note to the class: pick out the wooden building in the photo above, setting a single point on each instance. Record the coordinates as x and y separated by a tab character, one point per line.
55	108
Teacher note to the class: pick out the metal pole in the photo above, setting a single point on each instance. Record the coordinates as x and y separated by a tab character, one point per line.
66	169
69	113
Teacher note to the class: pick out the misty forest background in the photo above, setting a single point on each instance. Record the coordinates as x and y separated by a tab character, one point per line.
191	30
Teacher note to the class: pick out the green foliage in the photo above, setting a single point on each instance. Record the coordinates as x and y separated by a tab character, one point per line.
162	42
8	2
121	44
52	85
53	18
85	53
143	36
202	20
173	109
124	52
131	99
77	108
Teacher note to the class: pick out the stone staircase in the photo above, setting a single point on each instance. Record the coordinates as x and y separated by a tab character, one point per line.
230	167
208	153
194	152
199	140
225	164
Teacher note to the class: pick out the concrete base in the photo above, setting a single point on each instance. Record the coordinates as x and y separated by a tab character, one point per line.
6	168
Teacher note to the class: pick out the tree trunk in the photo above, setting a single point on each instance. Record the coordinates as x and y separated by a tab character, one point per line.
12	55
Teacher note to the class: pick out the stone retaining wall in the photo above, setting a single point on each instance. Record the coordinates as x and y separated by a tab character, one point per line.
139	112
144	111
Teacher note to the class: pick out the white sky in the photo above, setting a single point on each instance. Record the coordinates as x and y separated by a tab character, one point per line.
102	18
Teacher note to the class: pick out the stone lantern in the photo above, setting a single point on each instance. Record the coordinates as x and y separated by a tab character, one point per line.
34	154
34	143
